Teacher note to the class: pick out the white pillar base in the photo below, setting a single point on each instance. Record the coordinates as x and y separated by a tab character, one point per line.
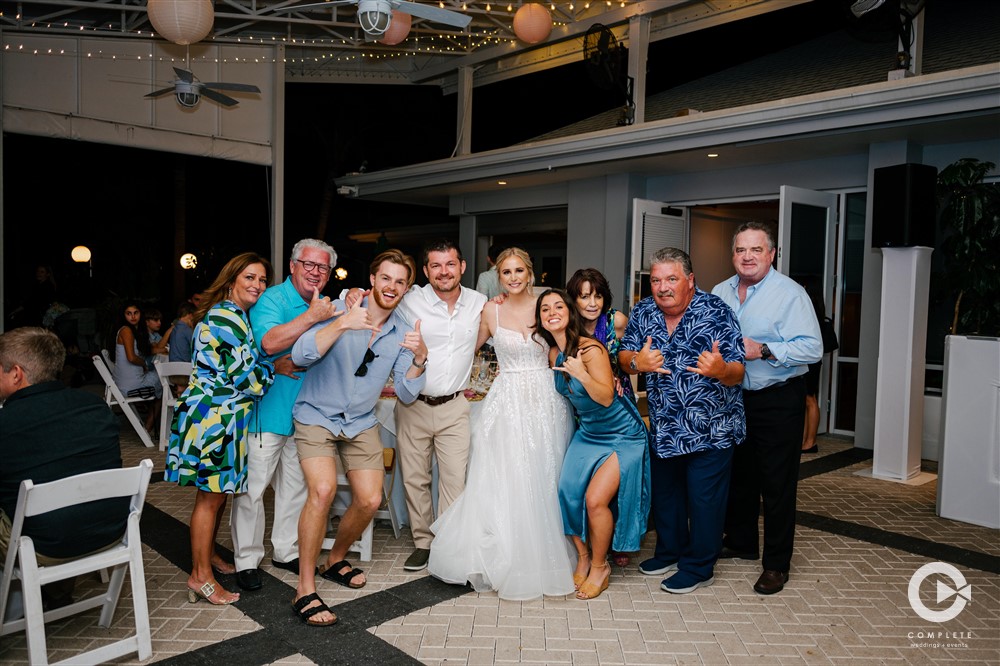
899	397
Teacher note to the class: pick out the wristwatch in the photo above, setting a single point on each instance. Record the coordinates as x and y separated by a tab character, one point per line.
418	365
632	364
765	353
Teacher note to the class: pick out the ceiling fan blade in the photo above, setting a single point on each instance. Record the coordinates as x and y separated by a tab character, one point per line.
225	100
315	5
163	91
184	75
430	13
241	87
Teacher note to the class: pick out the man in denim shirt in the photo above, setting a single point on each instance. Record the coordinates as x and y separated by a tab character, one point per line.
349	359
690	347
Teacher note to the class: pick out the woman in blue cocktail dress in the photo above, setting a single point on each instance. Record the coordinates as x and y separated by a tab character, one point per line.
604	488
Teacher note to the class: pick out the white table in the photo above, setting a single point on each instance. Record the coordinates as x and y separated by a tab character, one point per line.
385	412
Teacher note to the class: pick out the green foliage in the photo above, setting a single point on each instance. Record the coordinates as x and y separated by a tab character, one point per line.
970	219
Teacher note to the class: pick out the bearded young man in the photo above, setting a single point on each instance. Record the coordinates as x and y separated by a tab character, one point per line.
349	360
437	424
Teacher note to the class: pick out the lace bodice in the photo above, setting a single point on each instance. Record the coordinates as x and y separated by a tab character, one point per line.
515	353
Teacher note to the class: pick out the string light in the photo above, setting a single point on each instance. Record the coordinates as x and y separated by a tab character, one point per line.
464	41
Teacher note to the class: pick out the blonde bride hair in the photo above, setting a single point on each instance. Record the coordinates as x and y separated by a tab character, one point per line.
520	254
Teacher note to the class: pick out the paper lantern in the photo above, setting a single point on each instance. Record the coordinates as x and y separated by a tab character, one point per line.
189	261
532	23
399	29
181	21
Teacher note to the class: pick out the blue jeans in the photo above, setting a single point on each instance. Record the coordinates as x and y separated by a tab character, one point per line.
689	508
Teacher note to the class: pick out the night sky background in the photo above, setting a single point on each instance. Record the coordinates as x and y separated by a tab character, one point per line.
134	208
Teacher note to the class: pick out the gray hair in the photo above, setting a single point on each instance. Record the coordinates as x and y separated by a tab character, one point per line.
37	351
319	245
672	255
754	225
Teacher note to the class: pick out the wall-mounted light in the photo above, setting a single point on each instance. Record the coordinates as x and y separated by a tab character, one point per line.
713	154
340	273
188	261
81	255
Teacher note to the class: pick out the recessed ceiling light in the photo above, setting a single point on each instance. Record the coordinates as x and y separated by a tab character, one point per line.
713	154
501	182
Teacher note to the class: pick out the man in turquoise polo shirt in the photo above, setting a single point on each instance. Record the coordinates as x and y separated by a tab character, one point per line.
282	314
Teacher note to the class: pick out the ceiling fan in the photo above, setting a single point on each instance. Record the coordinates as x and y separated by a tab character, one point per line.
603	58
376	15
189	90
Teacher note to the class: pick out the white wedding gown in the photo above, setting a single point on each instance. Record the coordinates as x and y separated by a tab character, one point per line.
505	532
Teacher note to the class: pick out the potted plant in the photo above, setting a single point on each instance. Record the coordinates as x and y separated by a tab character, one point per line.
970	219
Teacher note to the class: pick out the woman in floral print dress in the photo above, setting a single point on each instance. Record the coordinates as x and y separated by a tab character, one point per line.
208	435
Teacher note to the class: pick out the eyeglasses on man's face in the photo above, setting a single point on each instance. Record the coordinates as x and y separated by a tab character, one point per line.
311	266
363	368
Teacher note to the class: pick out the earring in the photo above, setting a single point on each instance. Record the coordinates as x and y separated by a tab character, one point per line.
229	292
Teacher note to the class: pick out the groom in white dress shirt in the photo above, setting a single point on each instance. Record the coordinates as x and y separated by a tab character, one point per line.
438	421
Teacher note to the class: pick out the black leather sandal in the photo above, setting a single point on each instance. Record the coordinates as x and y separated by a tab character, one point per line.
306	614
331	573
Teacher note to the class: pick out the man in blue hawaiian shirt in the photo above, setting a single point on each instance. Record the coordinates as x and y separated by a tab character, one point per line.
690	346
782	338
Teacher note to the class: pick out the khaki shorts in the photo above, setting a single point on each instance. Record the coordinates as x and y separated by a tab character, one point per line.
361	452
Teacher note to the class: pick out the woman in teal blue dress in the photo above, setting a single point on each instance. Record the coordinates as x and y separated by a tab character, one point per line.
604	484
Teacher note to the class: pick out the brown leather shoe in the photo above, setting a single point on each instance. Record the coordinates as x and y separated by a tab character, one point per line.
770	582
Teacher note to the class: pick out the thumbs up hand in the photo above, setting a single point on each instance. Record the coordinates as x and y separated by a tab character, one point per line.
414	341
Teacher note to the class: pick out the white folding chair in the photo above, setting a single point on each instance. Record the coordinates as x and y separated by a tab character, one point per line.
166	370
22	565
342	500
113	396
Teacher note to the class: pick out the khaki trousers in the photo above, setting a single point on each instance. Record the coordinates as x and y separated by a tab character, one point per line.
423	431
59	591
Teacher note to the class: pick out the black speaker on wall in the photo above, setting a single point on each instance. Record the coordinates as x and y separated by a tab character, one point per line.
904	206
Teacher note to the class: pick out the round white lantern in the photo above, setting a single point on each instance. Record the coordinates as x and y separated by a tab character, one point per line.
188	261
80	254
181	21
532	23
399	29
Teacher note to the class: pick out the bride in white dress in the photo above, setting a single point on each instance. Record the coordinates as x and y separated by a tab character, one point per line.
505	532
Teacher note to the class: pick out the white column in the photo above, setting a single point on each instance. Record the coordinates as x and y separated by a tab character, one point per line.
638	49
899	397
278	167
463	138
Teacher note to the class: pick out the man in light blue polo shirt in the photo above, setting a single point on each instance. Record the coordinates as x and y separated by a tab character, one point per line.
282	314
